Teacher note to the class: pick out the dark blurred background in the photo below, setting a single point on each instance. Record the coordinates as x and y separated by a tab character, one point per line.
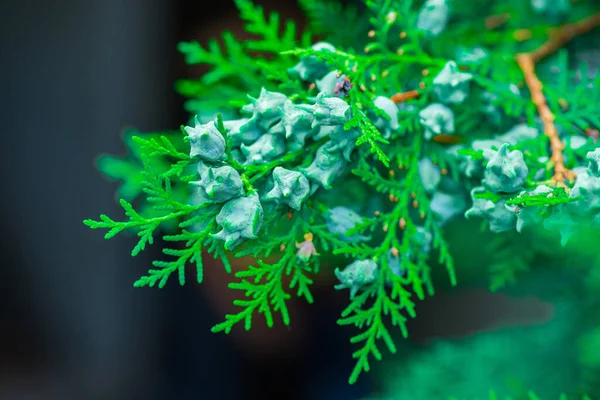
74	74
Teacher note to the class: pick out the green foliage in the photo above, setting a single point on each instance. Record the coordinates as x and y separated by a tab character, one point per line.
555	197
467	368
577	109
263	284
331	19
533	396
239	66
167	210
267	29
374	182
512	256
130	171
397	300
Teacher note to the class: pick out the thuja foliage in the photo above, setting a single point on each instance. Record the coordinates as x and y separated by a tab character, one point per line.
352	143
545	358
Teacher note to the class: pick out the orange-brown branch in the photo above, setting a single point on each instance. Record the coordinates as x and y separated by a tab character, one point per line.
402	97
565	34
447	139
496	21
527	65
527	62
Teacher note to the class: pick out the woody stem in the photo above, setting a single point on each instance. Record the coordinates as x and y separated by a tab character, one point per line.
404	96
527	61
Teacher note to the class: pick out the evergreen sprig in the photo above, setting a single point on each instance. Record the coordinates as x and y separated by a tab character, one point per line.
238	66
395	302
331	19
272	159
267	28
532	396
512	256
263	284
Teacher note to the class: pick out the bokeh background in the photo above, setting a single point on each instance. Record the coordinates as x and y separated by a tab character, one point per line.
73	75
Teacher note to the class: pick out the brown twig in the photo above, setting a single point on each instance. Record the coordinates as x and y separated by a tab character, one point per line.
527	61
592	133
527	65
404	96
445	138
564	34
496	21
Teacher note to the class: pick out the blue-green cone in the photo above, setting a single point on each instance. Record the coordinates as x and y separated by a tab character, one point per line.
219	184
311	68
330	111
395	264
327	84
206	141
240	219
529	216
587	188
451	86
267	148
433	17
357	275
506	171
499	217
327	166
446	206
554	9
295	125
561	221
593	158
386	125
340	220
424	239
518	133
242	131
472	55
344	140
430	175
265	108
475	168
436	119
290	188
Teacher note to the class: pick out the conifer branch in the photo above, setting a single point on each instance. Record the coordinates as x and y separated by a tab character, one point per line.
527	65
288	164
563	35
527	61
